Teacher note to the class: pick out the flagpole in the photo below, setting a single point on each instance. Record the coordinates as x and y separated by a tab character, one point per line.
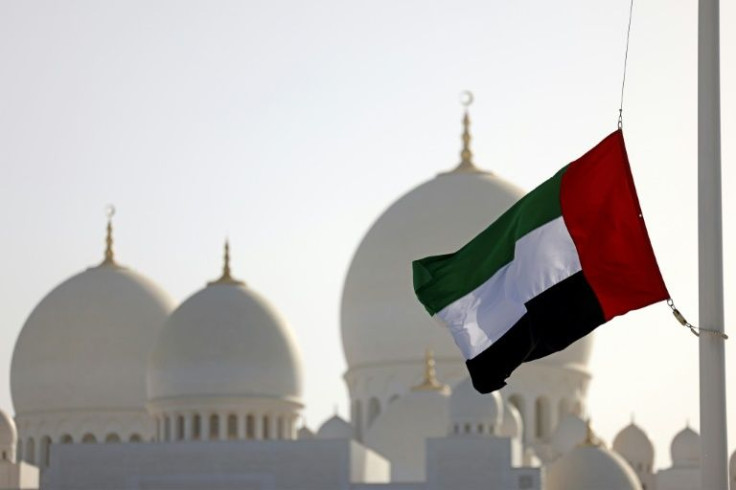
714	452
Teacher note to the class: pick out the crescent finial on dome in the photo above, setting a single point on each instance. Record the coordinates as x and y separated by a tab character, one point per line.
226	277
109	254
430	382
466	155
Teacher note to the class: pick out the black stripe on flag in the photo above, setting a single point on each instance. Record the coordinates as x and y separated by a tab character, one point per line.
554	319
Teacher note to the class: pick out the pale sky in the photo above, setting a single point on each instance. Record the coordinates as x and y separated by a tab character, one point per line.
290	126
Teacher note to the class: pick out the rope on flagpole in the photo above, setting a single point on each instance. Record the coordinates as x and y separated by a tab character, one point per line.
626	59
695	330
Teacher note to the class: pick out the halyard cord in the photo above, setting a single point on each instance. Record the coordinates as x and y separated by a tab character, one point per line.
626	59
695	330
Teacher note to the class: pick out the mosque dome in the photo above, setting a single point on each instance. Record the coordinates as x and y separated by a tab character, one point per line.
401	431
591	467
225	342
685	449
570	432
381	319
305	433
335	428
471	412
633	444
85	346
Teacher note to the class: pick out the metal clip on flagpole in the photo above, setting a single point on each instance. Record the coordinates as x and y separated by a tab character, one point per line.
695	330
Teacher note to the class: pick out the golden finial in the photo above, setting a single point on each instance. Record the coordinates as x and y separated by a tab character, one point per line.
466	155
430	382
109	255
226	278
590	438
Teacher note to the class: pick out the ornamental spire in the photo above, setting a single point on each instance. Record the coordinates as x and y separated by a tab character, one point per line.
226	277
590	438
109	254
466	155
430	382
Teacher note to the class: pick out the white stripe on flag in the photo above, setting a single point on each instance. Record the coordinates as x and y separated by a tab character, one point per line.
542	258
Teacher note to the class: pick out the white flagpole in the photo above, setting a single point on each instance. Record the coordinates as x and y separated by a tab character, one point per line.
714	452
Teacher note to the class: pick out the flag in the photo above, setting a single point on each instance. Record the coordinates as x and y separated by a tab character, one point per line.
566	258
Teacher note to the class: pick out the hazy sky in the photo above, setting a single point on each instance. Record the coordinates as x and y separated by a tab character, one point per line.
290	126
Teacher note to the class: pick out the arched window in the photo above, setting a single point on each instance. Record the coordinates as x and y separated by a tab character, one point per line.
112	438
564	409
280	428
45	450
66	439
196	427
480	428
214	427
518	402
167	428
5	455
374	409
232	426
542	417
135	438
250	426
31	451
89	439
19	451
467	428
578	409
266	427
179	427
357	417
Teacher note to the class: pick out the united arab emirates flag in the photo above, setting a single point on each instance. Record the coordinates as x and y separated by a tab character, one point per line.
566	258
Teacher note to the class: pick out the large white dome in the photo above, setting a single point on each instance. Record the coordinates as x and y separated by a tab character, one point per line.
381	319
225	341
85	346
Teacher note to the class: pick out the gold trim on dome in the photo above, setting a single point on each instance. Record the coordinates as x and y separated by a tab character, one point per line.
430	382
109	254
226	277
590	438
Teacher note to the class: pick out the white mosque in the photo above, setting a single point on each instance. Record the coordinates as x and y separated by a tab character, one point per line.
116	387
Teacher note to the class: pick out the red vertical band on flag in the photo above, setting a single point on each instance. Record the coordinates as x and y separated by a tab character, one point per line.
602	214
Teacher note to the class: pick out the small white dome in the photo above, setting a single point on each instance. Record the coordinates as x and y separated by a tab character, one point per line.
85	346
8	433
335	428
469	409
512	424
570	432
225	341
401	431
633	444
591	467
305	433
685	449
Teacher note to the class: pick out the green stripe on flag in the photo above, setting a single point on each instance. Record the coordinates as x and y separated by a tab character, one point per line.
443	279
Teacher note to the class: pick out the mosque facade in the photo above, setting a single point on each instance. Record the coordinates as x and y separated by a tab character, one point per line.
116	387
